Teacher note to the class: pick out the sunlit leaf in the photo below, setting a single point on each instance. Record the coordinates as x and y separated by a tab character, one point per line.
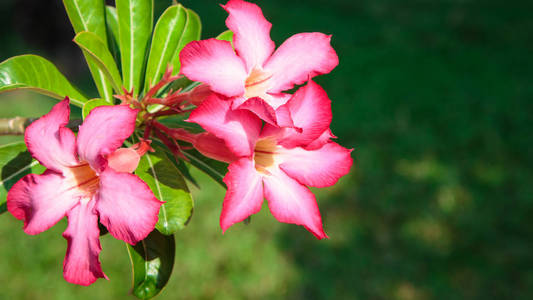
191	32
89	15
111	20
135	21
35	73
167	34
152	260
96	51
15	162
226	36
168	185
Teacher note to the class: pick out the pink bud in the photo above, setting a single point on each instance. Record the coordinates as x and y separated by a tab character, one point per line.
213	147
124	160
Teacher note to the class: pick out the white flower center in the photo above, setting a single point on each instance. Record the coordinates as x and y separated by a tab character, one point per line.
257	84
265	155
84	179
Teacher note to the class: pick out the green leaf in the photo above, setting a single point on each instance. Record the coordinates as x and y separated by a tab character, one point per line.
168	185
135	21
15	162
152	260
191	32
214	168
96	51
226	36
111	20
38	74
167	35
93	103
89	15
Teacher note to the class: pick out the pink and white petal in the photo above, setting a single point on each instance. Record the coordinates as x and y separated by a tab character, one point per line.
49	141
275	132
324	138
214	62
319	168
245	193
251	32
284	118
300	57
273	100
310	110
103	131
291	202
238	128
261	109
213	147
126	206
81	265
276	100
41	200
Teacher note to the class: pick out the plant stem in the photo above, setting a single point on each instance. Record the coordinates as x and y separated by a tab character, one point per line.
14	126
17	125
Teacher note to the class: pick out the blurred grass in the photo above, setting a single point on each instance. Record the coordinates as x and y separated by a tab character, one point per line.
436	99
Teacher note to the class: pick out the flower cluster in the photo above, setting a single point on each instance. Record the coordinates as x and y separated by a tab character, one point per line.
276	143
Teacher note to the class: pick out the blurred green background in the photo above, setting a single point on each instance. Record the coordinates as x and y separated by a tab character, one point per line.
435	97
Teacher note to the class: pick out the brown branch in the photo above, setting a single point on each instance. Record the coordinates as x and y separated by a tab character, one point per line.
17	125
14	126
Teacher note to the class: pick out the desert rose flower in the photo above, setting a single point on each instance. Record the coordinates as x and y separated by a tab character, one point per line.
88	180
254	75
274	163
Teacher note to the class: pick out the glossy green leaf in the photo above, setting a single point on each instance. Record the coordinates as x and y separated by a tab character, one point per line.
89	15
177	162
167	35
38	74
226	36
168	185
15	162
215	169
111	20
191	32
96	51
152	260
91	104
135	21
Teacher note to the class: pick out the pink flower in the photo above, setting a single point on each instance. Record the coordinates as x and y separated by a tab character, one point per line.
255	71
80	184
272	162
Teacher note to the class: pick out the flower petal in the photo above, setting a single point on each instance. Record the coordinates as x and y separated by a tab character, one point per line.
261	109
310	110
245	193
81	265
126	205
291	202
238	128
324	138
103	131
41	200
251	32
215	63
319	168
300	57
49	141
